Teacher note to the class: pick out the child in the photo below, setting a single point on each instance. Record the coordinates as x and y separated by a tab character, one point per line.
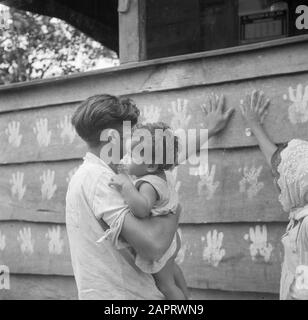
289	164
153	193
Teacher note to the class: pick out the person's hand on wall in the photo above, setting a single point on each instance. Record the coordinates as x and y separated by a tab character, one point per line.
254	109
216	119
216	115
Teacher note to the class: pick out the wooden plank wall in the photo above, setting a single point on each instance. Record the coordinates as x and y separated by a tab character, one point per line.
235	208
176	27
172	28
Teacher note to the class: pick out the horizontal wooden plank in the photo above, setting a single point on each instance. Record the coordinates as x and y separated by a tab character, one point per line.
284	121
238	187
41	134
35	191
35	248
208	68
199	294
13	212
46	133
243	257
235	257
37	287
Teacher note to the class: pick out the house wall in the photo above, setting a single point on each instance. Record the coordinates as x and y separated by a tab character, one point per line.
234	208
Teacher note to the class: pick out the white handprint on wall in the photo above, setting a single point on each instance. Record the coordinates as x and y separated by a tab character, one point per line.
206	184
212	252
43	135
298	110
181	254
55	244
70	174
68	132
48	188
2	241
180	119
17	188
250	178
150	114
25	240
259	246
12	131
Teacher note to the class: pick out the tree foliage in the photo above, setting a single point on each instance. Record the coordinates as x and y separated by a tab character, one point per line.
36	47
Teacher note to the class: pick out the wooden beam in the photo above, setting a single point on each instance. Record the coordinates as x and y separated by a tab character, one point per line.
132	37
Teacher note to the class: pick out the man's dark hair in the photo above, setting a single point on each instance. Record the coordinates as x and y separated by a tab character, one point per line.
101	112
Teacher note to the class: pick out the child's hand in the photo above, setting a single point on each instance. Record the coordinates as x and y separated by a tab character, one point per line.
217	117
254	109
120	181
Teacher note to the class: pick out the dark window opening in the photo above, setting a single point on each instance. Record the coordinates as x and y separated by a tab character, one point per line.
180	26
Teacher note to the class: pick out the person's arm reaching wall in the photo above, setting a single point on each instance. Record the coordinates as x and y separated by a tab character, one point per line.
254	109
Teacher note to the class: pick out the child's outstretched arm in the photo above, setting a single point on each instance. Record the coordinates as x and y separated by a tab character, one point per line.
140	202
254	109
216	120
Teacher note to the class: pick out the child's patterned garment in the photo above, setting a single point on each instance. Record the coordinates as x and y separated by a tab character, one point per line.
293	183
167	203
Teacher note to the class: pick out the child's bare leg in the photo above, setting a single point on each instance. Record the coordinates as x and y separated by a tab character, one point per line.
180	280
165	282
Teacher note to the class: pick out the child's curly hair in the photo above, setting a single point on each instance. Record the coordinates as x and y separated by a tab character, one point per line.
168	138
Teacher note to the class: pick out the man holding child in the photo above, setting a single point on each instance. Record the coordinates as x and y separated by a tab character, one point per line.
105	233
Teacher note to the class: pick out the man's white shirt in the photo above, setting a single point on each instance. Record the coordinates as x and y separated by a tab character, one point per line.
101	270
